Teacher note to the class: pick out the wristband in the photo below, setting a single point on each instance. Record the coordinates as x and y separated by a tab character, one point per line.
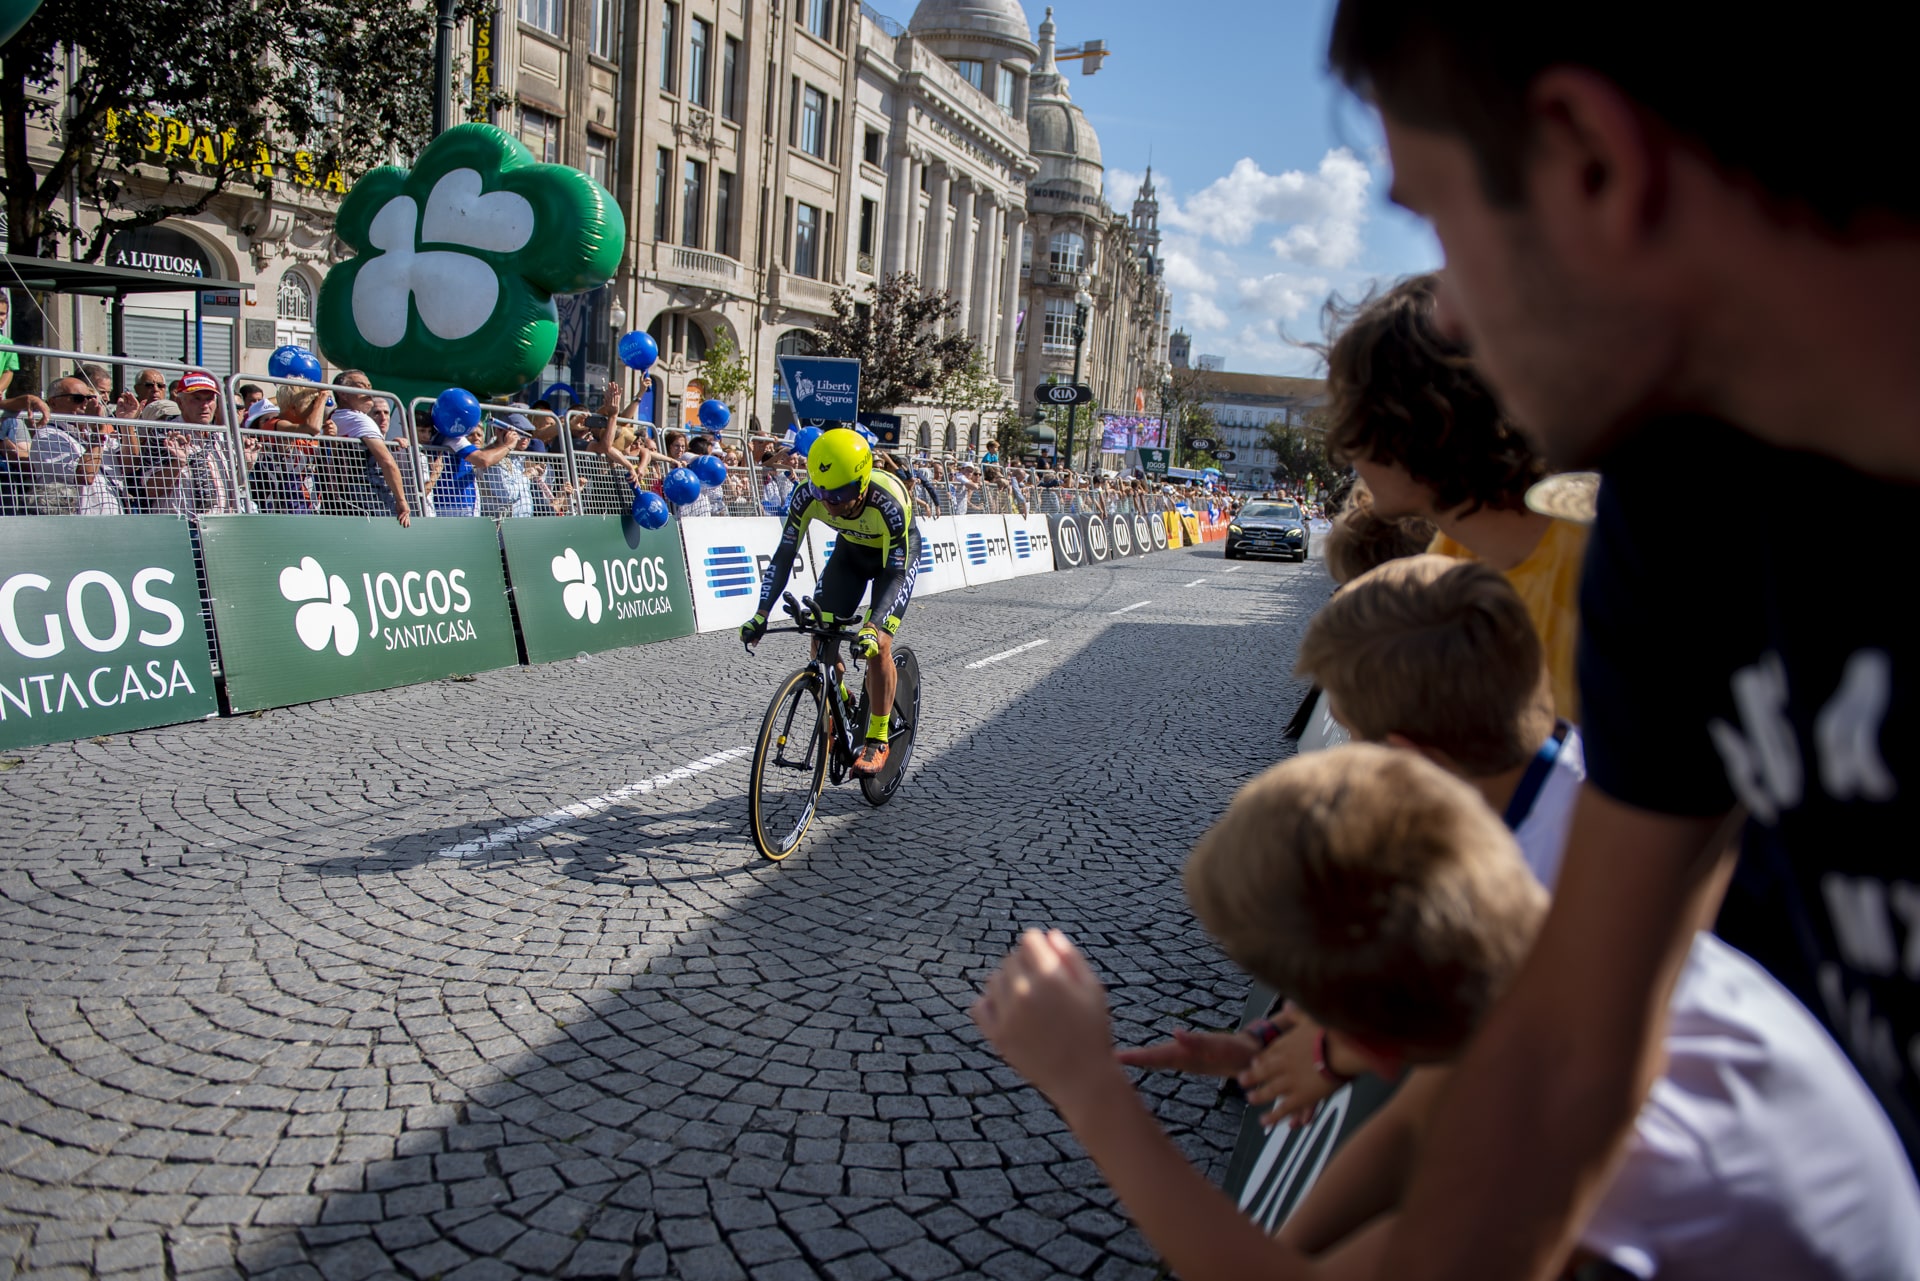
1263	1031
1320	1064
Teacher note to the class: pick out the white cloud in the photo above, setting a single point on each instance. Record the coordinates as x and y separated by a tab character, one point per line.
1281	296
1320	213
1185	274
1202	313
1122	186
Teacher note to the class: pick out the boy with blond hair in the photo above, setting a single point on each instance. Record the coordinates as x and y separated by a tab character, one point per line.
1382	894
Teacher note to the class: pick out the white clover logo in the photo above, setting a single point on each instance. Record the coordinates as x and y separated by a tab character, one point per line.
580	596
454	292
328	617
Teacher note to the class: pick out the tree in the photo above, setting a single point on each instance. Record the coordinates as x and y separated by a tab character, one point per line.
972	389
1188	417
897	339
209	97
1301	456
724	372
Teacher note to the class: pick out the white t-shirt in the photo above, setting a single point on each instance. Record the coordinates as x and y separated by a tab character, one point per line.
354	425
1760	1152
1542	830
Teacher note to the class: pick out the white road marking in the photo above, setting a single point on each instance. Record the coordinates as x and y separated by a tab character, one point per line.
1017	649
1236	569
588	808
1129	609
1195	583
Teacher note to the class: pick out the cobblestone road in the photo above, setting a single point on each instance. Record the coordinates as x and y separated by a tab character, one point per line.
252	1022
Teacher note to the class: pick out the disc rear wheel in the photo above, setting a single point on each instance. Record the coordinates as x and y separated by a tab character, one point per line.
789	761
902	728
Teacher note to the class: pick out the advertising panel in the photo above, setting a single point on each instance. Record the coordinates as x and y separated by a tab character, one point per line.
1069	541
584	584
939	556
1142	534
822	388
311	607
727	556
986	553
1032	541
1099	541
1121	539
102	628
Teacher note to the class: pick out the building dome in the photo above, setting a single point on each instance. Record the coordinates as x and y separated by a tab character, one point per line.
1000	21
1062	140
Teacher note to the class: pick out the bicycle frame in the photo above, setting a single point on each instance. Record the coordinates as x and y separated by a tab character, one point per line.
846	729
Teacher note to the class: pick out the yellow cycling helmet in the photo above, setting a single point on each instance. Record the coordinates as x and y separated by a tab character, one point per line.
839	464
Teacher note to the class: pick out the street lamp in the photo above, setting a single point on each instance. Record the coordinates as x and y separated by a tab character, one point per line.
1166	412
1082	304
617	316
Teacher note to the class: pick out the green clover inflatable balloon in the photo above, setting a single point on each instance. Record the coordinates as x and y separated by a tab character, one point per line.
458	262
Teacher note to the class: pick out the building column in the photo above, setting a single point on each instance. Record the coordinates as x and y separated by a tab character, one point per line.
992	218
1010	292
964	220
903	189
933	255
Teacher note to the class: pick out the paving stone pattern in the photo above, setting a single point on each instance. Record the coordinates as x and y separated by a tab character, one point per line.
251	1025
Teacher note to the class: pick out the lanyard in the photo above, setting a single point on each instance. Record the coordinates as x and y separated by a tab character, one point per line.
1535	778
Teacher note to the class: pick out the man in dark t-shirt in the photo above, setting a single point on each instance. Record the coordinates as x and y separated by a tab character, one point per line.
1748	654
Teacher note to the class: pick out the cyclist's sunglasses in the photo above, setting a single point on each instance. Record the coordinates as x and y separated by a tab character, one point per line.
842	496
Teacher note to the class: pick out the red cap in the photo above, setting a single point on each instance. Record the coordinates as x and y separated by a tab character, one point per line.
198	380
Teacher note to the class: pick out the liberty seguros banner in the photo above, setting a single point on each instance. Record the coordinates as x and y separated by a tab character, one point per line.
584	584
100	628
312	607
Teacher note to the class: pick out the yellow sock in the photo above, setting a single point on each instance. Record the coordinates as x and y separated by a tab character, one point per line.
876	729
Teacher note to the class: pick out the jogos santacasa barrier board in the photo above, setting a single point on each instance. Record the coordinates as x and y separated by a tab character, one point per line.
104	627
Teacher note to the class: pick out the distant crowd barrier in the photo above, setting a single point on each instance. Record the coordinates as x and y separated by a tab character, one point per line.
118	623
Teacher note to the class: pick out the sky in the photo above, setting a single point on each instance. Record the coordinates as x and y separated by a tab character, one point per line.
1272	179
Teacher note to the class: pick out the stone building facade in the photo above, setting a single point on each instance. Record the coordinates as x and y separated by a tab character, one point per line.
766	154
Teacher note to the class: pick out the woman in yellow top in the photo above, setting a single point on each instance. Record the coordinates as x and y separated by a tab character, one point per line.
1410	415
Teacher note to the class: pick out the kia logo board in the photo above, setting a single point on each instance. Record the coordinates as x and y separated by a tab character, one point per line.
727	560
986	554
1158	524
100	628
312	607
1122	536
584	584
1142	534
1099	545
1069	544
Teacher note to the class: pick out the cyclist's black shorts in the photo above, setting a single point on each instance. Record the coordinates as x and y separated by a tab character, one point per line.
852	567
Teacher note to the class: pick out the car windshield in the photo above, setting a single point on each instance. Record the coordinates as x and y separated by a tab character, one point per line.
1270	511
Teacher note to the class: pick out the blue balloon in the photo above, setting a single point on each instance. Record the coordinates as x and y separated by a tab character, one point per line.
715	414
638	350
804	441
681	486
285	361
650	511
455	412
310	368
710	470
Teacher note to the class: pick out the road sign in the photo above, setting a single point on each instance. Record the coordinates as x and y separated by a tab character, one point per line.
1063	394
1224	455
885	427
1154	462
822	388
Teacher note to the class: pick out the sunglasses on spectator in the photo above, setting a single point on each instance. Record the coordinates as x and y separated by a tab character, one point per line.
83	398
148	382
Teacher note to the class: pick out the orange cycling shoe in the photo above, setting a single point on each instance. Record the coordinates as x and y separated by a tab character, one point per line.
873	759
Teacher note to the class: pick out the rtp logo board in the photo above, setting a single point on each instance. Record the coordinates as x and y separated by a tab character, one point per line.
313	607
727	559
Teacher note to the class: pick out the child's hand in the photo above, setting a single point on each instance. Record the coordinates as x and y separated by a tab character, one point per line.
1207	1053
1046	1014
1284	1074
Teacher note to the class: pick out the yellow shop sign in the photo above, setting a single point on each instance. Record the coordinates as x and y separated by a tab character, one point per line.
166	137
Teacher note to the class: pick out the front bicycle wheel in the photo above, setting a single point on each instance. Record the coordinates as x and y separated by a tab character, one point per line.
789	762
902	728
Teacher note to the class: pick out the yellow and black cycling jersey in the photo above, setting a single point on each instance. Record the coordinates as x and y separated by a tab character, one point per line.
884	524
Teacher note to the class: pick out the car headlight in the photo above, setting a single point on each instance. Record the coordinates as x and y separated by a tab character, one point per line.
1296	532
1233	529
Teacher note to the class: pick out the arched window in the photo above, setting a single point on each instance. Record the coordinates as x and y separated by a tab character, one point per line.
1067	252
925	438
679	334
294	311
796	342
948	446
973	436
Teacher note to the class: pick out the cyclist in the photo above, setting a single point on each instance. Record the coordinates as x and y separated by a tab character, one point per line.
877	544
